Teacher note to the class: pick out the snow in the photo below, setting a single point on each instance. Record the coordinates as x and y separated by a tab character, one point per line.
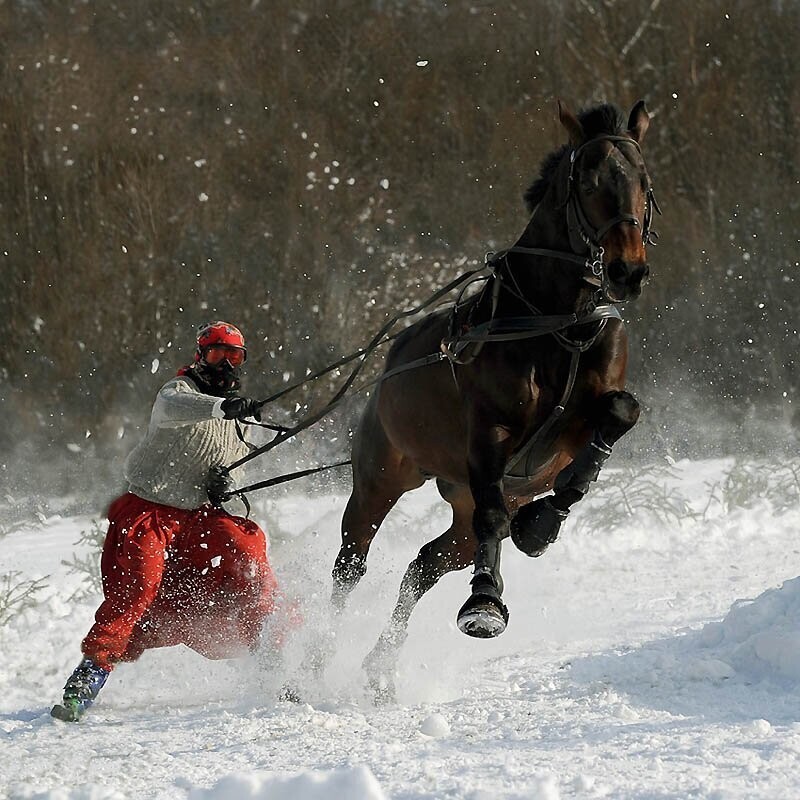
652	652
357	783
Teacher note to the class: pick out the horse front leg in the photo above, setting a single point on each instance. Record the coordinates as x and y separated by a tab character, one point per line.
537	524
484	615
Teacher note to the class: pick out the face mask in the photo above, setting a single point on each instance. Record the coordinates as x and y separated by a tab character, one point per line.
219	379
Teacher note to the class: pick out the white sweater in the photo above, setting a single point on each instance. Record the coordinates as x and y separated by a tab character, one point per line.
187	435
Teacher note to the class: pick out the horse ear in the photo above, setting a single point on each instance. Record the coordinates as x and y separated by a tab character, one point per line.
639	121
573	127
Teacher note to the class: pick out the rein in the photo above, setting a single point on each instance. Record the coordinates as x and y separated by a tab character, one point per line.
380	338
496	330
582	235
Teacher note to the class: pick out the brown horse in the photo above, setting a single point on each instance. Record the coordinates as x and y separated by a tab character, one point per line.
531	395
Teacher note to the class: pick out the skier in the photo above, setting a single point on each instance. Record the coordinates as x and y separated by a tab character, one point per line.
177	568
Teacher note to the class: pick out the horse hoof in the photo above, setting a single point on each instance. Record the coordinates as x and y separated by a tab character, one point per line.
536	526
482	618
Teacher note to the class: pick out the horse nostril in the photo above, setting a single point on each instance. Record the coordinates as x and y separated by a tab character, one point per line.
617	271
621	272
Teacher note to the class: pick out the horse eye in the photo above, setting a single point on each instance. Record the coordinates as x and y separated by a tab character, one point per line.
591	182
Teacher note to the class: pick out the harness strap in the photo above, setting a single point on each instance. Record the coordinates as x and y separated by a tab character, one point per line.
541	251
592	262
557	411
512	328
521	328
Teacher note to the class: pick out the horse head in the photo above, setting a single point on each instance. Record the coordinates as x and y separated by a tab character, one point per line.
609	198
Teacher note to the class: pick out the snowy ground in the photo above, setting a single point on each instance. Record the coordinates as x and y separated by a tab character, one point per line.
653	652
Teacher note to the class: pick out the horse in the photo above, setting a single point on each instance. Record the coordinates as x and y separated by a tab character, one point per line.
520	409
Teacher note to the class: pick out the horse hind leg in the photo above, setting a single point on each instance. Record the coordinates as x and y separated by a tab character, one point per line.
365	511
453	550
537	524
379	480
380	477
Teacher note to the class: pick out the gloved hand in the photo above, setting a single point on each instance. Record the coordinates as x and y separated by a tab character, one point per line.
218	485
241	407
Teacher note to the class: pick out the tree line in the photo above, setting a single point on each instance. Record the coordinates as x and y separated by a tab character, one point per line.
308	169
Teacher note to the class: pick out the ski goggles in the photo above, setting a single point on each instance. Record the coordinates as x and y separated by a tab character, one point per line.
215	354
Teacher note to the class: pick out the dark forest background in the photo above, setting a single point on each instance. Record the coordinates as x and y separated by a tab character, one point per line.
307	169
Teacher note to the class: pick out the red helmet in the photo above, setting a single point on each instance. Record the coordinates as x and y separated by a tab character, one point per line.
221	334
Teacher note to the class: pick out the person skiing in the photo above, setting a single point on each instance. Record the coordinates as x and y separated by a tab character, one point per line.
177	568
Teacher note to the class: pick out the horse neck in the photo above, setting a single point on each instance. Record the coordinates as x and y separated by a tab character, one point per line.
552	285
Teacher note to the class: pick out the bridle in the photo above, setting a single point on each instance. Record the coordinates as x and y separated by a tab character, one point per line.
577	220
584	238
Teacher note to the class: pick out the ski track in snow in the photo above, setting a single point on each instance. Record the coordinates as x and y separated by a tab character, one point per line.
655	657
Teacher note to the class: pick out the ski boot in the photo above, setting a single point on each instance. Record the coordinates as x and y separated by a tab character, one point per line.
80	691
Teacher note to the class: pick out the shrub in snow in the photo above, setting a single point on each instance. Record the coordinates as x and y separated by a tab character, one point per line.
88	565
16	595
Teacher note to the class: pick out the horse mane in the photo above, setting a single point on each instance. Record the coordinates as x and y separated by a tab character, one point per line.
601	119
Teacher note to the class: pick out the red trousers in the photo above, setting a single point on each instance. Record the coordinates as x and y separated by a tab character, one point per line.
198	577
